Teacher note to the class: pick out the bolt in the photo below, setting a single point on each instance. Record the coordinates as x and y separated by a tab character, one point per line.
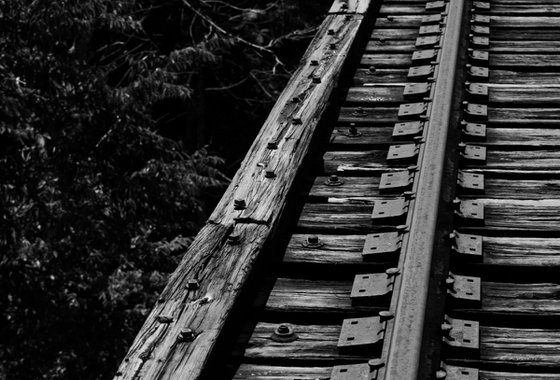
352	131
186	335
330	32
316	79
376	363
313	240
446	327
333	178
332	46
296	121
270	174
284	333
386	315
372	69
239	204
314	62
164	319
450	283
392	272
193	284
295	99
441	374
272	145
390	18
161	300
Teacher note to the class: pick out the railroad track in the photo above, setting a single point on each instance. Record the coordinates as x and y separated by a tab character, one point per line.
416	157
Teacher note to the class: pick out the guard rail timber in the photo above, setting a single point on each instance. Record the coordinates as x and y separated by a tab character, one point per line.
181	332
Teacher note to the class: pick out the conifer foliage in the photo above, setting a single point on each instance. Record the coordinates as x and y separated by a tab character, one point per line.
102	184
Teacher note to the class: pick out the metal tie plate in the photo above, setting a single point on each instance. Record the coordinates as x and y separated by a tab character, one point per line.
464	290
467	245
478	111
479	29
360	334
481	19
407	129
474	131
481	56
409	110
461	335
351	372
424	55
370	286
458	373
415	90
475	154
472	211
379	246
396	181
389	209
471	183
427	41
480	42
481	5
435	5
477	73
432	19
477	89
420	72
429	29
402	152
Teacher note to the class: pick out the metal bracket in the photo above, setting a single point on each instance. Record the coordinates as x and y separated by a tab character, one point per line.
474	131
360	334
468	246
481	5
432	19
480	42
481	19
478	111
415	90
427	41
464	290
479	29
435	5
480	56
479	90
461	335
351	372
470	182
409	110
396	181
389	209
402	152
429	29
477	73
474	154
420	72
424	55
449	372
470	210
382	244
407	129
370	286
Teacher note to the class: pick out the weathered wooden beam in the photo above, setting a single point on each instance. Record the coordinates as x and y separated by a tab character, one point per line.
181	332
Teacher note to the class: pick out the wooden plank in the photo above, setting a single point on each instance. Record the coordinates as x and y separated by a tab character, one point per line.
362	161
523	77
399	21
521	22
315	344
514	251
363	76
376	95
316	297
385	60
500	215
526	117
268	372
500	60
378	115
337	250
221	268
538	348
517	215
509	138
519	188
401	9
395	34
524	46
514	34
333	297
390	46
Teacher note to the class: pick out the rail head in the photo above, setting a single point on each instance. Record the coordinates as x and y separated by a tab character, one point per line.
181	331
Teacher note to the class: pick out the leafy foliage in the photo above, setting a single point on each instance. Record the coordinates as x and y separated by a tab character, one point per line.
106	109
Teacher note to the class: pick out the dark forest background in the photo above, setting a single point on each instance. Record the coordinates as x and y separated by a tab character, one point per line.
120	124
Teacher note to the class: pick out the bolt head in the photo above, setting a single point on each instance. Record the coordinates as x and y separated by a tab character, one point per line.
239	204
393	271
376	363
233	239
186	335
193	284
272	145
270	174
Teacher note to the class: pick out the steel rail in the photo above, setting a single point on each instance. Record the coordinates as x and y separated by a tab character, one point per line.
403	354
